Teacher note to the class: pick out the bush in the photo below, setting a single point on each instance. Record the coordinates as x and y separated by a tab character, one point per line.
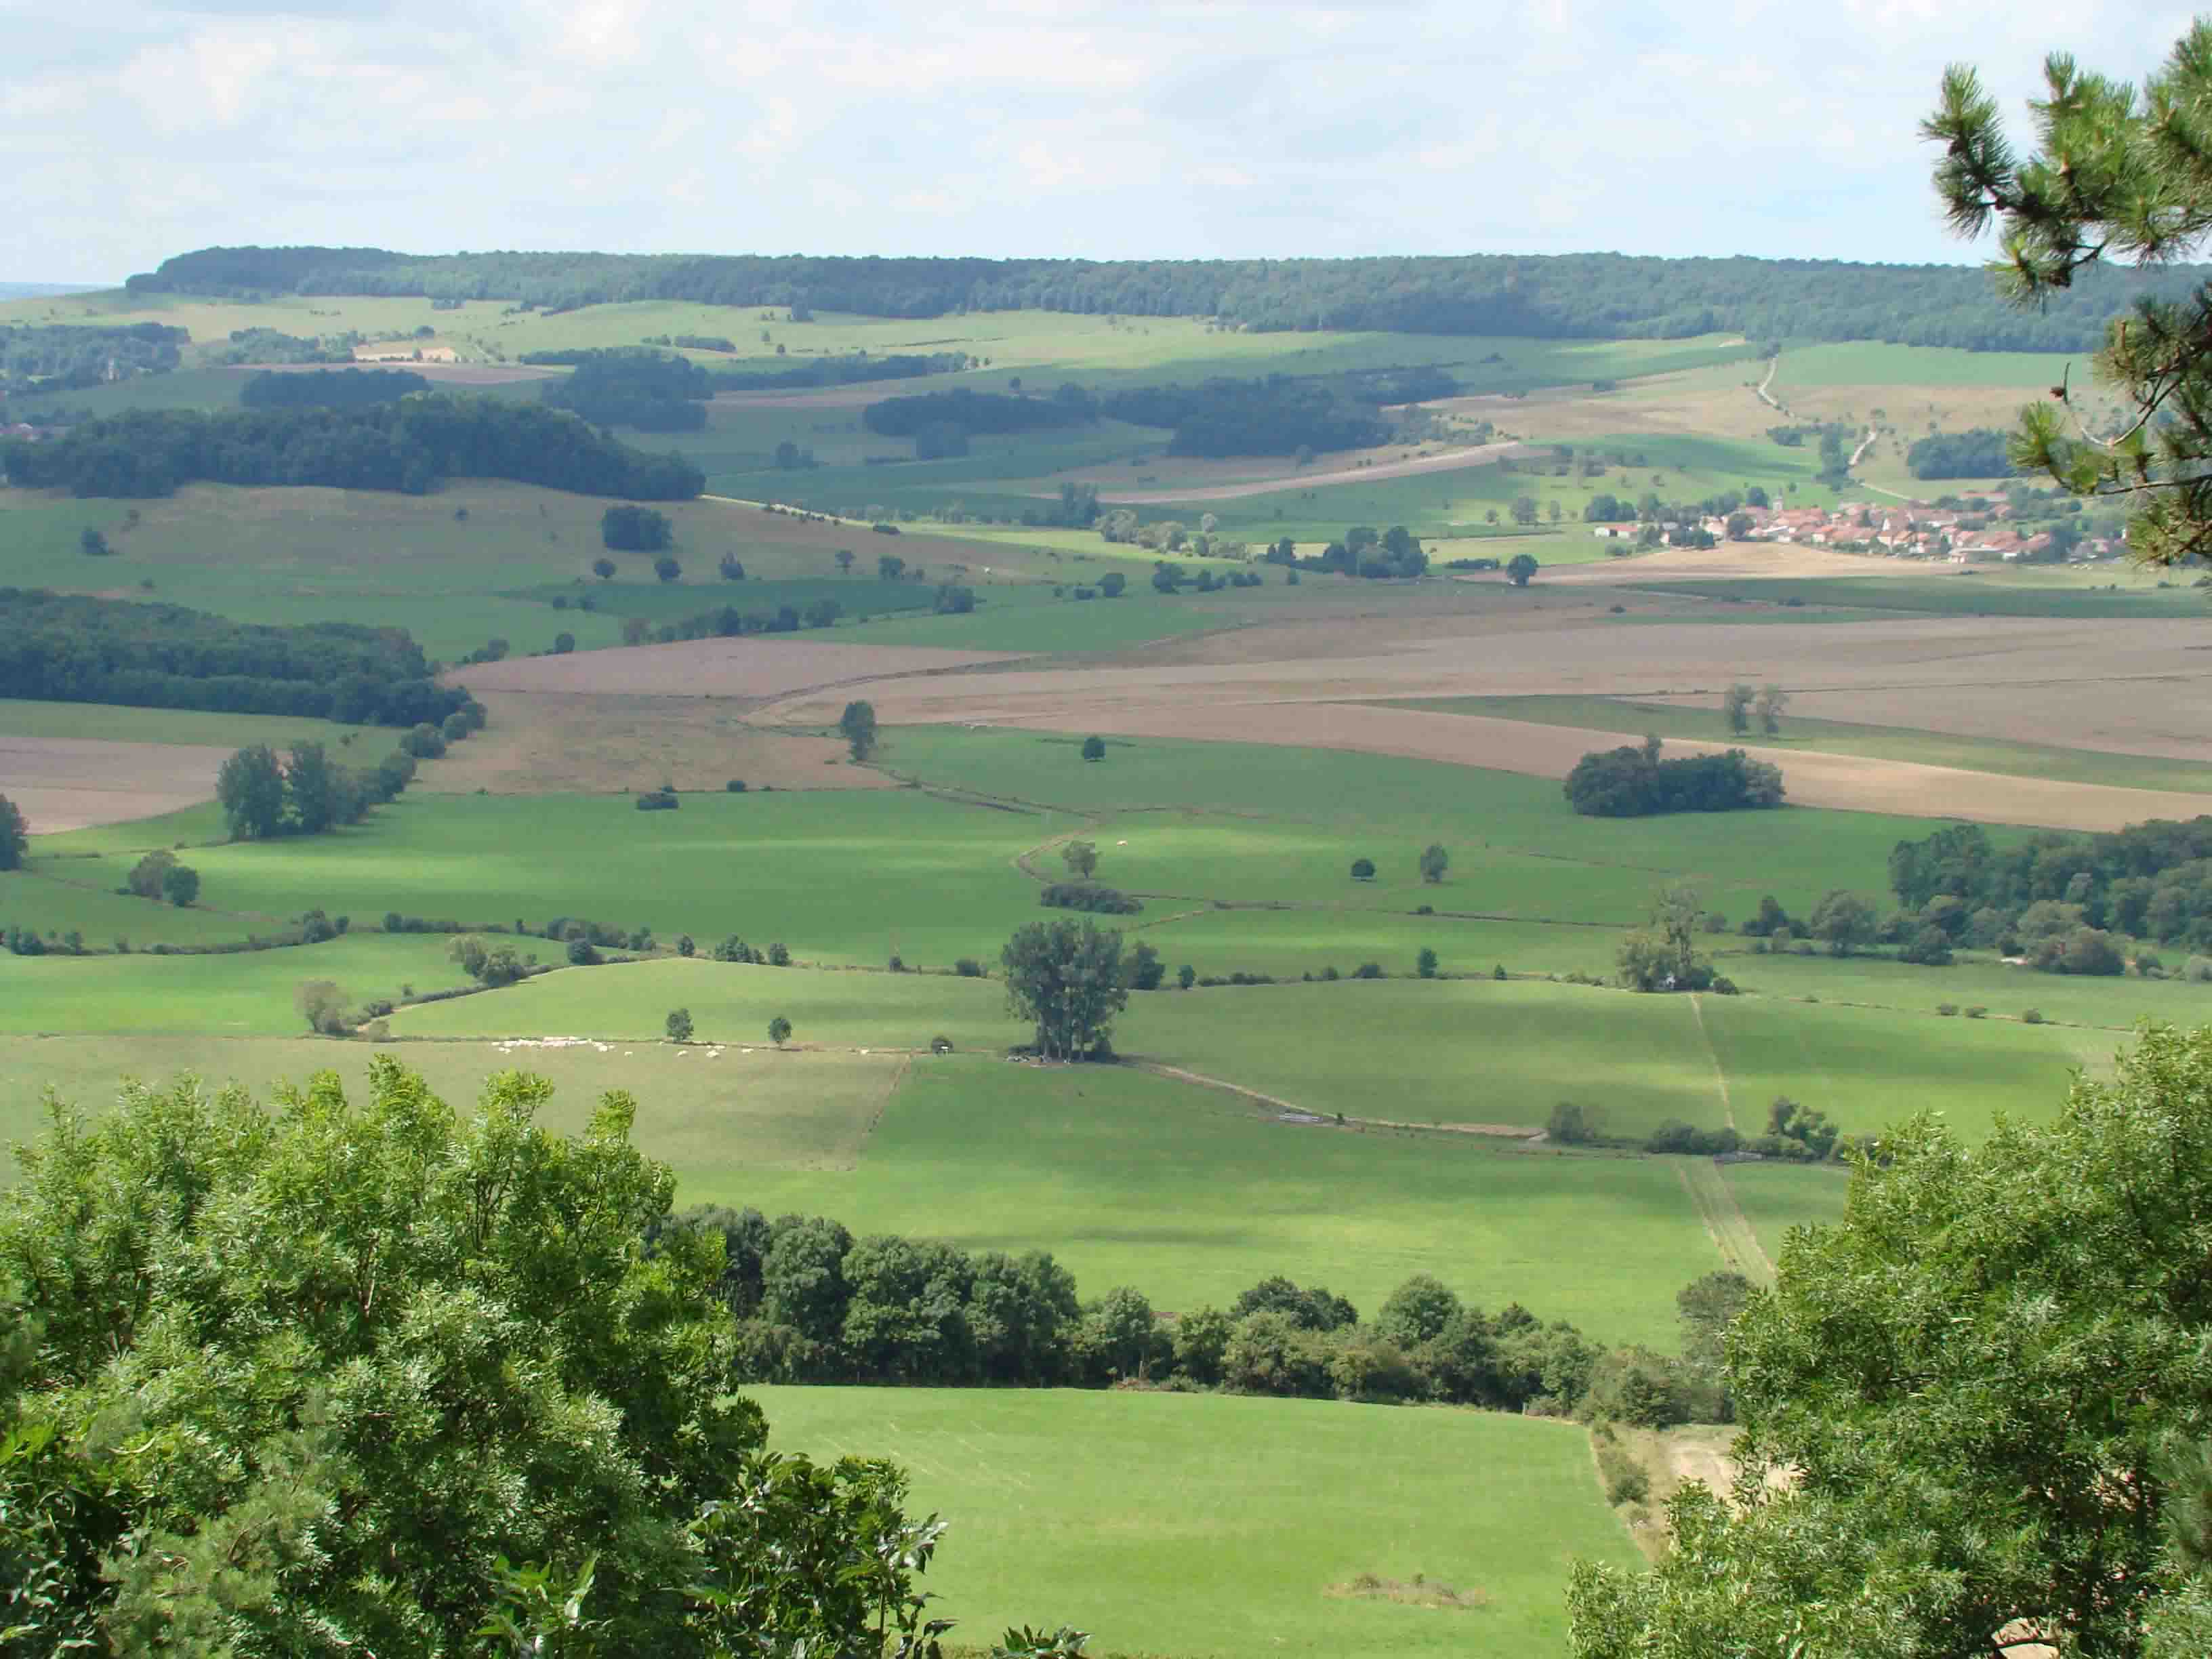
180	885
582	954
1977	1012
1624	1479
940	1045
735	786
323	1006
1425	964
2031	1017
1369	970
1088	896
1363	869
1572	1125
679	1025
657	801
969	968
1094	748
1947	1009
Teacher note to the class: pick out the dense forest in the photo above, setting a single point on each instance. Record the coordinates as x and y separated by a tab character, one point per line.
977	412
1633	782
1566	296
410	446
330	388
68	357
634	387
1982	453
75	648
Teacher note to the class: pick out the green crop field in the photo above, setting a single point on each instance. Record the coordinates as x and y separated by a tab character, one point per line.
1870	362
1176	1525
1975	979
1669	719
1777	1197
110	723
696	1109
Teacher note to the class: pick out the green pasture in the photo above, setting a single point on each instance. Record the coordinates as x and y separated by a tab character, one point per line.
1777	1197
1960	594
1201	1526
1973	754
1868	1068
107	722
58	897
1306	939
1873	362
1975	979
189	826
240	993
840	876
659	601
1193	1194
472	562
732	1003
696	1108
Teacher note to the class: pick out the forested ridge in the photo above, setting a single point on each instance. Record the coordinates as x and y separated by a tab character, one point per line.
1560	296
409	446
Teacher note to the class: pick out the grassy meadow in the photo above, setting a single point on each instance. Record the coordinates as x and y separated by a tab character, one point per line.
1199	1527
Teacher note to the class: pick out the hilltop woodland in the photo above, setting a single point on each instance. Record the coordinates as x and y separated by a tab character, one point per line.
1571	296
410	446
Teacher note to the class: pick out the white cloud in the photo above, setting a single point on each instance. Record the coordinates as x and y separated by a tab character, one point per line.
1005	126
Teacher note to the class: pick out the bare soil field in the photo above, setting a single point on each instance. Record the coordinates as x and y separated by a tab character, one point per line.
560	742
73	783
751	668
1731	559
1205	480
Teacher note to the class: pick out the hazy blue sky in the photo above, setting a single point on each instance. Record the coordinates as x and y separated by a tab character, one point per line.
133	130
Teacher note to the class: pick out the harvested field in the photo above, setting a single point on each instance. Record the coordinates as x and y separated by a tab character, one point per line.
2064	682
1449	460
437	373
561	742
73	783
1730	559
753	667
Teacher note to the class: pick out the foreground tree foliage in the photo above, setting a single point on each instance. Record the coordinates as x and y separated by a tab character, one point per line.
2116	174
1989	1383
305	1380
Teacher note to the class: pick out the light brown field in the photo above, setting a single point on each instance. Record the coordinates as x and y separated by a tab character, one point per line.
1224	481
73	783
446	373
751	667
554	742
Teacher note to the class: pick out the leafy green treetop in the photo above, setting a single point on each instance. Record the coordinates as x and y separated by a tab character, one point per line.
1979	1381
2116	174
14	834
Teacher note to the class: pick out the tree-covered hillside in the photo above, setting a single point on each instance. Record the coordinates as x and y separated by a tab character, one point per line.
1571	296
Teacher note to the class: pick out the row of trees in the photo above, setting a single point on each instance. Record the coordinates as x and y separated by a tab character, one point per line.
634	386
1633	781
1572	296
1280	415
306	792
78	648
410	446
815	1304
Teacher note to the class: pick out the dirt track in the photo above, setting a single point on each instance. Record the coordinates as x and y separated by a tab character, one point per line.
73	783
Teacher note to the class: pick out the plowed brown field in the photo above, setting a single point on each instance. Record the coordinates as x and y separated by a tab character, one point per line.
72	783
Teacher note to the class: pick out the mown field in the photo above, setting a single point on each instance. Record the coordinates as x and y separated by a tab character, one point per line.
1171	1524
1957	594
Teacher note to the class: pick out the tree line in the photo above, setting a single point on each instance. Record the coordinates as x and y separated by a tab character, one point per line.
75	648
1567	297
634	387
411	445
1980	453
2150	880
815	1304
1279	415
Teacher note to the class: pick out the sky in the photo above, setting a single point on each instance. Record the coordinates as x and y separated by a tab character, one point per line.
134	129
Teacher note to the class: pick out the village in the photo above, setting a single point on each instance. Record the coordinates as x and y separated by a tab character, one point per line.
1973	529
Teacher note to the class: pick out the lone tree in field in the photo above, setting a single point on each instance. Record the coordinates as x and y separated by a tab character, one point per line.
1663	954
845	560
1736	705
1066	978
1773	700
251	787
2120	174
857	725
604	568
1520	568
679	1025
1363	869
732	566
666	567
1094	748
779	1030
15	835
181	885
1434	862
1081	858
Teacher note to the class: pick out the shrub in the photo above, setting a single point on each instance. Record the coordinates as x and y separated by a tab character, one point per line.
940	1045
657	801
582	954
969	968
1369	970
1573	1124
2031	1017
1947	1009
1186	977
679	1025
1363	869
1094	748
1088	896
1624	1479
778	1029
777	957
1425	963
735	786
181	885
323	1006
147	875
1977	1012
